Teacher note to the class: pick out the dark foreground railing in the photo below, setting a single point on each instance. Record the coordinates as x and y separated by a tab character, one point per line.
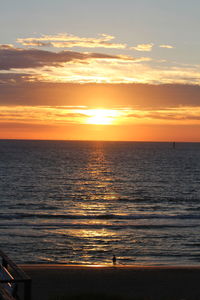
10	276
4	294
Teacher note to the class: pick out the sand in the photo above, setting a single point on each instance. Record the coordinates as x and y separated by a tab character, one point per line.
128	282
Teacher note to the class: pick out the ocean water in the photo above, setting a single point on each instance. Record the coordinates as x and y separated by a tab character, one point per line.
81	202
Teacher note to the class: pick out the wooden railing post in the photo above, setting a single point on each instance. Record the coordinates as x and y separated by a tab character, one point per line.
15	275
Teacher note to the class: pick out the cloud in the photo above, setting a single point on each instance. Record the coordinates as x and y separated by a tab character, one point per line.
166	46
13	78
18	58
149	47
6	46
42	114
122	71
140	96
143	47
85	67
180	114
69	41
55	115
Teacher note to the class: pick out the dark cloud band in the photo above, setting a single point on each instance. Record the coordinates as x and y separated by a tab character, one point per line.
17	58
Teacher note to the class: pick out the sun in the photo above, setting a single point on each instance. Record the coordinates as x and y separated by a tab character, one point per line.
101	116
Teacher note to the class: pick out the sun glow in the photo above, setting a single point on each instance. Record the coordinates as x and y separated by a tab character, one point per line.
101	116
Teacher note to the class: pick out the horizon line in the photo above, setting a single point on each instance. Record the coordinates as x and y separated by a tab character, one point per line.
118	141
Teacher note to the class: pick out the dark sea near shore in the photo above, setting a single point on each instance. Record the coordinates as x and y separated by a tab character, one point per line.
81	202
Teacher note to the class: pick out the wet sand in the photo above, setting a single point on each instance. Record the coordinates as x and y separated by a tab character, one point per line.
127	282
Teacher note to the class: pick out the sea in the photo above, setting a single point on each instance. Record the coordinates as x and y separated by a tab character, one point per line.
81	202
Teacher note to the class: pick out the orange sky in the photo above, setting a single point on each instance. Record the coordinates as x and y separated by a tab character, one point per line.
124	112
110	133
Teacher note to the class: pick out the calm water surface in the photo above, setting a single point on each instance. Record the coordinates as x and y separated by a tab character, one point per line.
82	202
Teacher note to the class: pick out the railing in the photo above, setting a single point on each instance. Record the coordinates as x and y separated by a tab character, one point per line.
17	275
4	294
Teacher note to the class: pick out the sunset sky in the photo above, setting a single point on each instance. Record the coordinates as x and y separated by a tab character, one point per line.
100	70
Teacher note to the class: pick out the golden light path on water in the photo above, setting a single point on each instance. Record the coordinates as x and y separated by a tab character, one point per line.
98	184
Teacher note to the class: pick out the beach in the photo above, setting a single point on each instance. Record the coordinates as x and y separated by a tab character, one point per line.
124	282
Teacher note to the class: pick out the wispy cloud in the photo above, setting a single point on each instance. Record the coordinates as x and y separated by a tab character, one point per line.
166	46
55	115
179	114
6	46
65	40
42	114
69	41
143	47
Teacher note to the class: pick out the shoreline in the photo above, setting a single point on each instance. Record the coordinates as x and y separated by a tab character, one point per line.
107	266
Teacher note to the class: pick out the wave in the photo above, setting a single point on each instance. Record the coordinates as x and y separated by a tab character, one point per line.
70	226
97	217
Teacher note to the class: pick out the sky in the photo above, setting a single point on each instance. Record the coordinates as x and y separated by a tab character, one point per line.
100	70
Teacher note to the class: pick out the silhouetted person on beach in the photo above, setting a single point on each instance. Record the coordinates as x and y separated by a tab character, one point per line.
114	260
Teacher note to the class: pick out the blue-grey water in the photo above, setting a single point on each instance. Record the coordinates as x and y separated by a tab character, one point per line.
82	202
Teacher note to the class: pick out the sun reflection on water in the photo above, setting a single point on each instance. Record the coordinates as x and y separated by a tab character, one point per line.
99	200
